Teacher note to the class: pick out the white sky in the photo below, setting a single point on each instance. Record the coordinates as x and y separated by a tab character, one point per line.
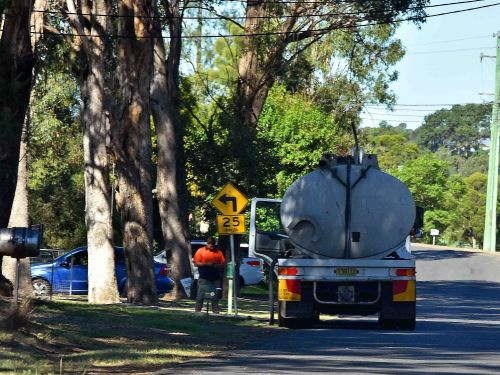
442	64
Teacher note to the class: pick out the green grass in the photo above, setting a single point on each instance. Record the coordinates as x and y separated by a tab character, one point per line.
73	336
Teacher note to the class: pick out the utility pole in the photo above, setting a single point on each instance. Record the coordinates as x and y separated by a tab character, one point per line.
490	222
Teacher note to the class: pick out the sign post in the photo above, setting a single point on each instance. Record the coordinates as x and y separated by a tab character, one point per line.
233	289
434	234
230	202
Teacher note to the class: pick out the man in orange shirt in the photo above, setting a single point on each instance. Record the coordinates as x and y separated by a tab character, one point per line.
210	262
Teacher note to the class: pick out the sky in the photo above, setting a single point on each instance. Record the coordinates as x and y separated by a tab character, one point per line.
442	64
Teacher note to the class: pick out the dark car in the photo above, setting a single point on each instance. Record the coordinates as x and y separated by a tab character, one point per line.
69	274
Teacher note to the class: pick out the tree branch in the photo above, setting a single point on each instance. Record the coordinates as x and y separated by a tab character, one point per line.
76	23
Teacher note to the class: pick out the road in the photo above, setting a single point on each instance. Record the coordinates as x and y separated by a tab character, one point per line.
458	330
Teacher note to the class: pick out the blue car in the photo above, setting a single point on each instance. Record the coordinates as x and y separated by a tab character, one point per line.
69	274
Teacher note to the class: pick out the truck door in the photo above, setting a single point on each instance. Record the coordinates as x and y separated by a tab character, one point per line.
266	231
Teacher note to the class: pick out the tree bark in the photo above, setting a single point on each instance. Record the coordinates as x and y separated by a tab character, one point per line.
16	69
165	102
19	215
101	268
16	66
132	148
249	99
19	218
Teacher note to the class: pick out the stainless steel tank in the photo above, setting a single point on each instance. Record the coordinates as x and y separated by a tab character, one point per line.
378	219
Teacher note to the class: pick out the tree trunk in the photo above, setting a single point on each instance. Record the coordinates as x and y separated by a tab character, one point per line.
101	270
249	99
16	65
102	287
165	109
19	218
19	213
16	68
132	147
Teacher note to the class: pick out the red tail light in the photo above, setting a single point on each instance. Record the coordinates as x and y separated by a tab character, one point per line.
253	263
164	270
288	271
405	272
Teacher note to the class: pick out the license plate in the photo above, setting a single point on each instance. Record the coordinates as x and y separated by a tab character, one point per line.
346	271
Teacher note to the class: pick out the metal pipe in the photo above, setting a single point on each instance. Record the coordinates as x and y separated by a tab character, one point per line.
233	261
347	252
271	291
16	289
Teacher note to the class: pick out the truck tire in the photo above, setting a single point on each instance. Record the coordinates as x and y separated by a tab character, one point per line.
294	323
404	324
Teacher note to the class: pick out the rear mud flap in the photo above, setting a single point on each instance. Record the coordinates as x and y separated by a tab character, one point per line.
394	307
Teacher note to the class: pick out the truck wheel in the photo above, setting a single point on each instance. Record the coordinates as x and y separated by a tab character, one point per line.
406	324
41	288
294	323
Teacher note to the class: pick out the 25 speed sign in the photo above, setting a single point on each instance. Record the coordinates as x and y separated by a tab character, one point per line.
231	224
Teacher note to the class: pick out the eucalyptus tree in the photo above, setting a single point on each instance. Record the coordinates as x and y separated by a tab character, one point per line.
276	33
19	216
462	129
132	150
339	53
90	20
171	192
16	71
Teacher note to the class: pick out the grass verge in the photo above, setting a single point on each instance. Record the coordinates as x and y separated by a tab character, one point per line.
75	337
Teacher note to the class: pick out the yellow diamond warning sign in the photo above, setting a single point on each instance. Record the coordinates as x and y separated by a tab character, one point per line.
230	201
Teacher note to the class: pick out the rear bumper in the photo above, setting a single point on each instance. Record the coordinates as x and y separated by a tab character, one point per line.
354	298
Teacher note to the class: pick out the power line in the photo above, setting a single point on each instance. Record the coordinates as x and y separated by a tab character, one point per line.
449	41
411	109
326	2
450	50
413	121
426	105
242	17
318	31
419	116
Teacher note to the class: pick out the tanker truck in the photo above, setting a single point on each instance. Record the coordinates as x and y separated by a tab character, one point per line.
338	242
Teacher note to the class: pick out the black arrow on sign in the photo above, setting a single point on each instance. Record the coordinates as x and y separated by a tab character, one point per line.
224	199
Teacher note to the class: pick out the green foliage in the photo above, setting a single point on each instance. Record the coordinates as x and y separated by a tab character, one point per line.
355	68
460	130
477	162
392	150
454	205
299	132
268	217
471	207
425	177
56	191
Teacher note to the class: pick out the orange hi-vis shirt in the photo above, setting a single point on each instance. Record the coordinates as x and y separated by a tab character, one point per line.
204	255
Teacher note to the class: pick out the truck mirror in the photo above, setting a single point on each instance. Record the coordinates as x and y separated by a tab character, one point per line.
419	218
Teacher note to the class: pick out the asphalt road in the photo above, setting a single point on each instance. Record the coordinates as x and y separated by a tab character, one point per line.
458	330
